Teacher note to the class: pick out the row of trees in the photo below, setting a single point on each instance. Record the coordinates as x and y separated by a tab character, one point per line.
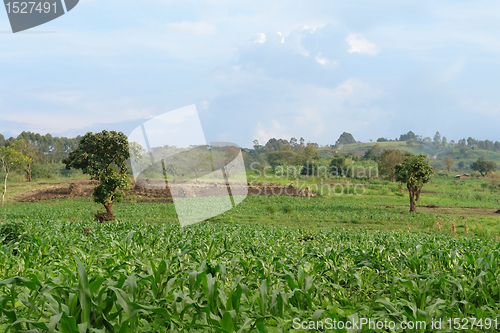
438	140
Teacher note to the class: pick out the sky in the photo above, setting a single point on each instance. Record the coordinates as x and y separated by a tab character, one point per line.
258	69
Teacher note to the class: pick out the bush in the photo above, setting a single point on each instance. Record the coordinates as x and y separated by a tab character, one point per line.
39	171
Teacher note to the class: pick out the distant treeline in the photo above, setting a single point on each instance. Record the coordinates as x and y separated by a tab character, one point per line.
42	149
441	140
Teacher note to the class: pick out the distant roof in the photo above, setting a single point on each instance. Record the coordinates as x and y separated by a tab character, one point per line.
462	175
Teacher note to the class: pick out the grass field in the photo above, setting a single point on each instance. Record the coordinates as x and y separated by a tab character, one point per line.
257	267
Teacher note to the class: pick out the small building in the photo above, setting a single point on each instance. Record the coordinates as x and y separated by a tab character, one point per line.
463	176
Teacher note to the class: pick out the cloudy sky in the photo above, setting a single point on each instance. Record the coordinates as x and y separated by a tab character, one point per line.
259	69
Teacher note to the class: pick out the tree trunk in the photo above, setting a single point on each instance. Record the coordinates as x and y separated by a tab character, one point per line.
109	210
417	195
28	172
4	188
413	206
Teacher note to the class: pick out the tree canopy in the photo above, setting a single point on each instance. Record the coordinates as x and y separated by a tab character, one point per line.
414	171
484	167
102	156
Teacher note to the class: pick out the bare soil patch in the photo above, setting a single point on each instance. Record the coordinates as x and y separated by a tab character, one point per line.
158	191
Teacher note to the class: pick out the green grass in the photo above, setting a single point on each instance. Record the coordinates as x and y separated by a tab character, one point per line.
253	269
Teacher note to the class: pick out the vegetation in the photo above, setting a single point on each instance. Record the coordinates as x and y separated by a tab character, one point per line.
71	275
103	156
415	172
484	167
352	251
10	160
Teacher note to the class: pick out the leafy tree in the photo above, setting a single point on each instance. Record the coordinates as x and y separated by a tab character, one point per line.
309	153
338	166
448	162
484	167
2	140
415	171
437	138
387	162
444	141
374	152
382	140
28	149
408	136
102	156
461	165
276	158
11	160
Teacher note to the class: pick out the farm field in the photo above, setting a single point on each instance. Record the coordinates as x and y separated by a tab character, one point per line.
145	274
255	268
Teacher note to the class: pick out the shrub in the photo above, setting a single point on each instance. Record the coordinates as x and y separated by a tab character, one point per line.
39	171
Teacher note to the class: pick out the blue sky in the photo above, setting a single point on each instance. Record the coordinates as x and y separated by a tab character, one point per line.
259	69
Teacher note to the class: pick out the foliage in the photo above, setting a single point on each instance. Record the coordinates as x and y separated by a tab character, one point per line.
230	277
388	161
415	171
103	156
41	171
484	167
338	166
10	160
11	231
448	162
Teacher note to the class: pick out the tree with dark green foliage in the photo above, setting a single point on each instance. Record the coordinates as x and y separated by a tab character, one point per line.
103	156
484	167
415	172
338	166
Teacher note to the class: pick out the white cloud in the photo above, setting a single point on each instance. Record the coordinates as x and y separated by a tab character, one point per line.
204	105
276	130
360	45
321	60
261	38
281	35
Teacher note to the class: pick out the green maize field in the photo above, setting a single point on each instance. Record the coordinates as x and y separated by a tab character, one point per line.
61	272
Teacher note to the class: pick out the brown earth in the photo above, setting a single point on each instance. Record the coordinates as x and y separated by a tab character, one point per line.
156	190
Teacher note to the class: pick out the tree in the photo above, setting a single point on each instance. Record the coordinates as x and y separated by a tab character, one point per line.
382	140
444	141
415	171
338	166
102	156
437	138
461	165
309	153
374	152
387	162
484	167
28	149
10	160
408	136
448	162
